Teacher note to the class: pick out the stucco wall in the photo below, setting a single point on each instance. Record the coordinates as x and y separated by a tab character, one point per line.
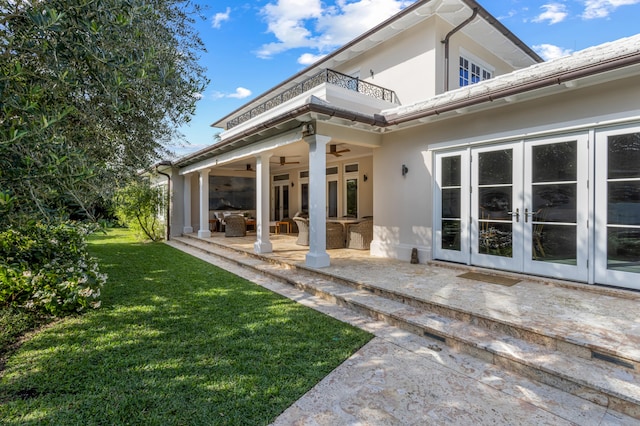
403	205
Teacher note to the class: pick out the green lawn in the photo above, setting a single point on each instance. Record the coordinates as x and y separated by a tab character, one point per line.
176	342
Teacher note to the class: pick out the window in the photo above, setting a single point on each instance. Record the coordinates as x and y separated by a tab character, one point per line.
471	72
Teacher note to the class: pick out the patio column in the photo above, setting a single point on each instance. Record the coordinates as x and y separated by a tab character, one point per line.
204	231
188	226
317	256
262	244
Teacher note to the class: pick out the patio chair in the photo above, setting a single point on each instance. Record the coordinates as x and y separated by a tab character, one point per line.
335	235
303	231
359	235
235	226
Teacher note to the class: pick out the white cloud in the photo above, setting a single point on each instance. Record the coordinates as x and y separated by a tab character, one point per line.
240	93
309	58
305	24
549	51
602	8
553	13
220	17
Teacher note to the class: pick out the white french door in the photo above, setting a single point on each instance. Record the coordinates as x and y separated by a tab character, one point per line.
527	207
618	207
280	204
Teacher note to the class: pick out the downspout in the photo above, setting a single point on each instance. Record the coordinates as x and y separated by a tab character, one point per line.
166	163
446	46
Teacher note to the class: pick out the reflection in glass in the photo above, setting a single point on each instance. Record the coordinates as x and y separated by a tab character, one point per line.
451	235
451	203
495	167
304	195
624	202
624	156
451	172
556	162
623	249
352	197
495	238
332	188
495	203
555	203
554	243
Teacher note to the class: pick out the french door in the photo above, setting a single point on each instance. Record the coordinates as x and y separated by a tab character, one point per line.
618	207
280	201
527	207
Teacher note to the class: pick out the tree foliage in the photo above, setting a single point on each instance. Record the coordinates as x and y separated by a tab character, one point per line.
138	206
91	91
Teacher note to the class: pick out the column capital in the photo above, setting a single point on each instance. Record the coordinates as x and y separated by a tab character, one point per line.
318	140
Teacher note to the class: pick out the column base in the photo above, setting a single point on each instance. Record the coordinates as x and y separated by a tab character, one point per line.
262	247
204	233
187	230
317	260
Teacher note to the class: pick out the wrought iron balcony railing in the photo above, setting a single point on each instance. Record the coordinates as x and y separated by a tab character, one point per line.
325	76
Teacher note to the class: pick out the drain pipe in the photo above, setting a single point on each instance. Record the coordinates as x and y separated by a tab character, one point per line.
446	46
167	163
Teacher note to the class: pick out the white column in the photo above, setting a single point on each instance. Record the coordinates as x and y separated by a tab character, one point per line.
317	256
186	188
262	244
204	232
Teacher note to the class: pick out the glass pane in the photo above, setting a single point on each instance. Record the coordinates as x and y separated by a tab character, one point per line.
624	156
494	203
624	203
276	203
555	162
554	243
554	203
623	249
451	172
304	195
285	201
352	197
451	203
350	168
451	235
495	239
333	198
495	167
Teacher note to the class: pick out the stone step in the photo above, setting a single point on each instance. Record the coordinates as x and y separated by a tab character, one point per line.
548	359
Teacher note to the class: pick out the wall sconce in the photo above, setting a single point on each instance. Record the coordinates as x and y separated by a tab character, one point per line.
365	177
292	184
308	130
405	170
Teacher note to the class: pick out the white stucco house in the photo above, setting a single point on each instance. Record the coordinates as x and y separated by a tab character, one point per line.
456	138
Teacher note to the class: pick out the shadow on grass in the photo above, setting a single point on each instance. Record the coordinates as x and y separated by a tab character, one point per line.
178	341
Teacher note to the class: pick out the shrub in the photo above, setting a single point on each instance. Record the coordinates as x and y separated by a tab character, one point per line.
47	268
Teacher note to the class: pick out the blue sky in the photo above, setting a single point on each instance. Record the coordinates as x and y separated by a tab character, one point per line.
253	46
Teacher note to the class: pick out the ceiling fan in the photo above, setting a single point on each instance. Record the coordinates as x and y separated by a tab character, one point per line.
247	169
283	161
333	150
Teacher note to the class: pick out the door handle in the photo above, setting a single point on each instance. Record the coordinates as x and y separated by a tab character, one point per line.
527	213
516	214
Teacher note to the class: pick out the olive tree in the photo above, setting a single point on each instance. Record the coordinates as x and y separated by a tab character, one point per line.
91	91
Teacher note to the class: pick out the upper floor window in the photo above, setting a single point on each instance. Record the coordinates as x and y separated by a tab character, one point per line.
471	72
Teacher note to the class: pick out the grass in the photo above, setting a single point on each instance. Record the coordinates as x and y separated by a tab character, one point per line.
176	342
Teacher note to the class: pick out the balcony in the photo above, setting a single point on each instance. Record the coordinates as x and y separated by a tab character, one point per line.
325	76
